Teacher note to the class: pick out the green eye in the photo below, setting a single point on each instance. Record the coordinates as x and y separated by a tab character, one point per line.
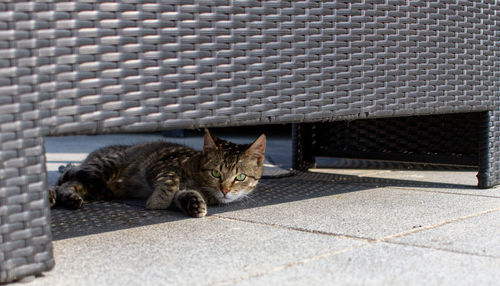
241	177
216	173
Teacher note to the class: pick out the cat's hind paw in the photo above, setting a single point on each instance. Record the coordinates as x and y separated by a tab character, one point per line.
74	201
52	196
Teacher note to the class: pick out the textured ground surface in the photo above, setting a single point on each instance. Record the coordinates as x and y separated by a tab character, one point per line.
325	227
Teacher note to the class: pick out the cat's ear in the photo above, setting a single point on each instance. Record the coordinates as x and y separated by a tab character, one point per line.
257	149
208	142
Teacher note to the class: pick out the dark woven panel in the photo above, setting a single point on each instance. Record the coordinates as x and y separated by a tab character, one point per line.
450	138
138	66
489	159
463	139
25	240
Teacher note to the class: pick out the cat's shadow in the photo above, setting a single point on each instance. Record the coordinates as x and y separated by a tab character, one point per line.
98	217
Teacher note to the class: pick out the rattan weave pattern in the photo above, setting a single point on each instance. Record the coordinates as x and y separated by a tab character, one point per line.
149	65
489	161
25	237
464	139
446	138
101	66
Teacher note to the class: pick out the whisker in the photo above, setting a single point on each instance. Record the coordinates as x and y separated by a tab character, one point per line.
249	199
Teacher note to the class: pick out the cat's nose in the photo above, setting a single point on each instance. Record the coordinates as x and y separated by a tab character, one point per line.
224	191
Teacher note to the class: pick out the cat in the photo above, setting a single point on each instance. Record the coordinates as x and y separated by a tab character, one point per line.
163	174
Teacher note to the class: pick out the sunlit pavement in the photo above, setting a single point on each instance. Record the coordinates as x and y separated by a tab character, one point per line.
323	227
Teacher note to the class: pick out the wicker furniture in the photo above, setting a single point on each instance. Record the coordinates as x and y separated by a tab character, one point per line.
458	139
94	67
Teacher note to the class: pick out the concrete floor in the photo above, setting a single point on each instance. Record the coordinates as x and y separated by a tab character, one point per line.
324	227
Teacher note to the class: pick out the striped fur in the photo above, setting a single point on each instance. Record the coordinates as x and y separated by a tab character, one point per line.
165	174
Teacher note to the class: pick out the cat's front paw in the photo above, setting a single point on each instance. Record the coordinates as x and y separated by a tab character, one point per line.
196	207
192	203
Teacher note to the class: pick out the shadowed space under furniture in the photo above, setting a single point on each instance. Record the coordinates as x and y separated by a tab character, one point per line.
98	217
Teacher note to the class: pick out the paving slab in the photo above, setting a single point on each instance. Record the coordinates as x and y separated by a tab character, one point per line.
184	252
465	181
478	235
354	210
98	217
467	178
330	227
446	181
351	172
387	264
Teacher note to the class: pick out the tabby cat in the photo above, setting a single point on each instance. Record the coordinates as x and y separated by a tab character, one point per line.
163	173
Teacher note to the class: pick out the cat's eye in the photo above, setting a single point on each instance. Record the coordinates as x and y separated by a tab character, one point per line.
216	173
241	177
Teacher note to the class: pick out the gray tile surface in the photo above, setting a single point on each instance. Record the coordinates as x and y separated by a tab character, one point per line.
476	235
465	182
370	213
333	227
446	181
465	178
184	252
387	264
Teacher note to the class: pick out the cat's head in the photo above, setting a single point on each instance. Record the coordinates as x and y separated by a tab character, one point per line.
231	171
